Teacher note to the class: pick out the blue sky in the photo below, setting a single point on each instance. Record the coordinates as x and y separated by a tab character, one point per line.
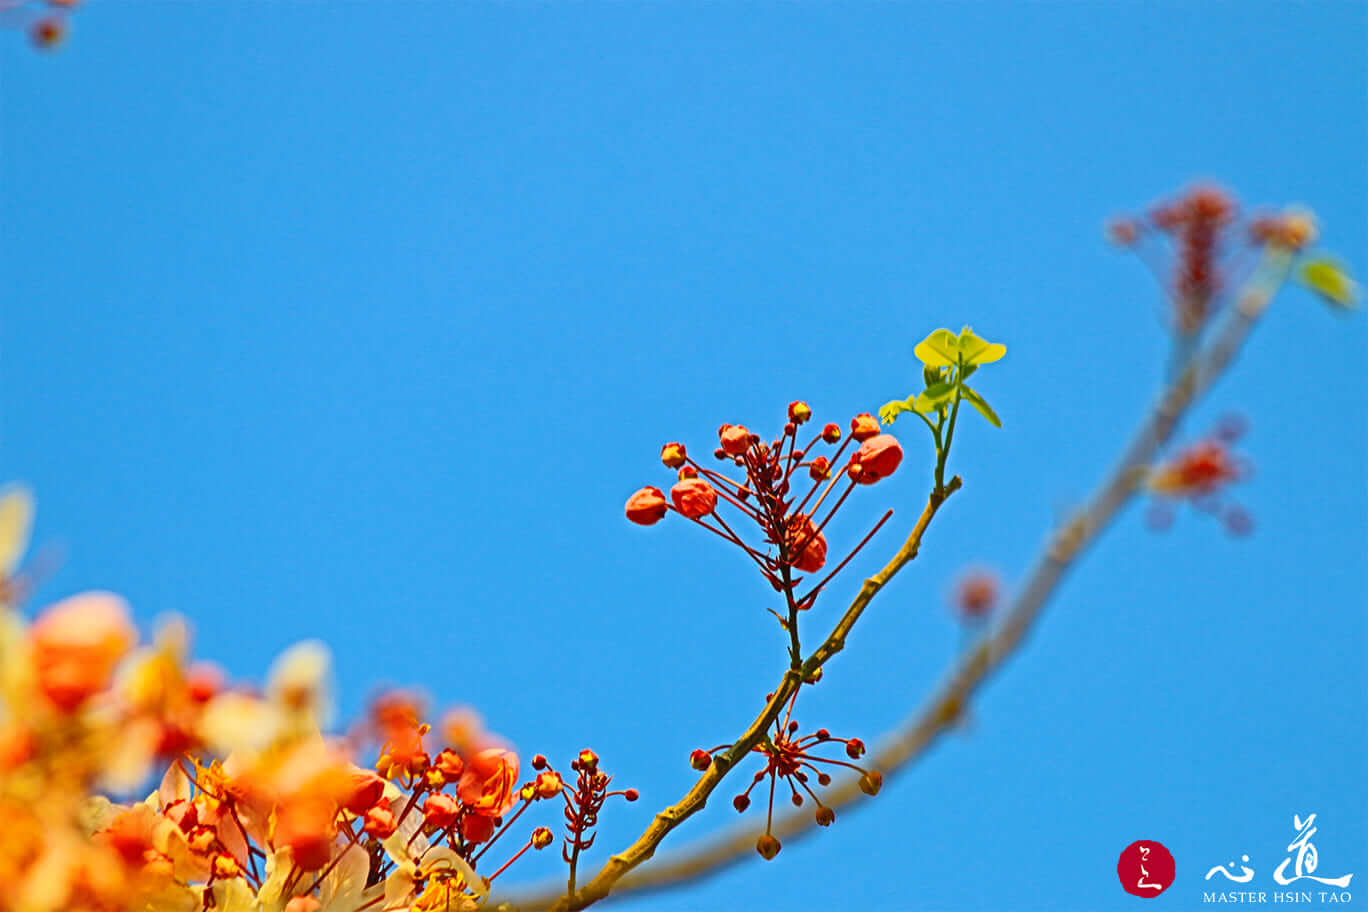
361	321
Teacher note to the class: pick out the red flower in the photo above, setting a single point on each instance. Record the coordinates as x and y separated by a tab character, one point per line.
801	533
878	457
647	506
694	498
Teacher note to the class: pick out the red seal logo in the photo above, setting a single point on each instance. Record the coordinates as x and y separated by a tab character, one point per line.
1145	868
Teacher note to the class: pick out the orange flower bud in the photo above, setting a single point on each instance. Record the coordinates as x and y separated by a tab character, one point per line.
831	433
303	904
825	815
878	457
364	790
871	782
798	412
694	498
820	469
647	506
688	471
475	828
449	764
381	822
767	846
802	533
76	644
673	455
735	439
541	838
489	784
439	810
549	784
588	759
864	426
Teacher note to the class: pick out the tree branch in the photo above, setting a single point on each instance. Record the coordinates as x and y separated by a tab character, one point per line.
665	821
973	667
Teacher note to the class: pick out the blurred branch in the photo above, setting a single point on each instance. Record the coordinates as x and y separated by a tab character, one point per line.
985	655
665	821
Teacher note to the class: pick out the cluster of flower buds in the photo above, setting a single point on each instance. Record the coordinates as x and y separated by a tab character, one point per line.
1200	474
791	525
46	20
1197	225
584	802
789	757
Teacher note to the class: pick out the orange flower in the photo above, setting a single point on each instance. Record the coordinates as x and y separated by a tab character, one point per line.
647	506
440	810
694	498
489	784
77	643
863	427
735	439
673	455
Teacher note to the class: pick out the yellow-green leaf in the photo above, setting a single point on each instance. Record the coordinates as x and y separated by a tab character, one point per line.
978	351
984	409
934	397
1329	280
940	349
890	411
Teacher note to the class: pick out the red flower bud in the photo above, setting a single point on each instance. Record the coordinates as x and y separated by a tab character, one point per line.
449	764
476	828
802	533
700	759
831	433
855	748
798	412
825	815
541	838
878	457
381	822
820	469
740	802
735	439
672	454
864	426
365	790
588	759
549	784
631	794
694	498
439	811
646	507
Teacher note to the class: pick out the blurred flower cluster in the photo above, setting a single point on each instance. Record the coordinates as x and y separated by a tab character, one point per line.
45	20
255	808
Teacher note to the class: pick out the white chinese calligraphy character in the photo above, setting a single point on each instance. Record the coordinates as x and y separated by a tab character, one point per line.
1243	878
1306	857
